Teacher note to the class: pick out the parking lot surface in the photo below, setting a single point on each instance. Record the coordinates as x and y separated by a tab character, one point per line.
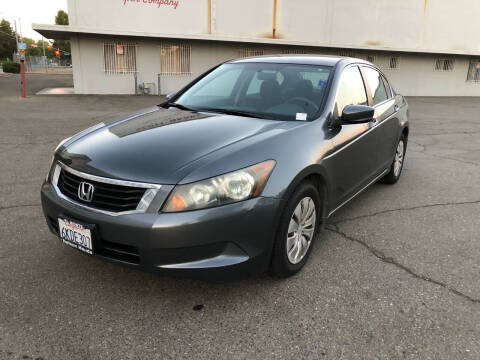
395	275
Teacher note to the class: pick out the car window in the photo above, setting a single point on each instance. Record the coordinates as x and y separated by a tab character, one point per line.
351	90
376	85
268	90
223	86
260	77
387	86
318	79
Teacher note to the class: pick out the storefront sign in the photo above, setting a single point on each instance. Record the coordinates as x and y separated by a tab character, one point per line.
172	3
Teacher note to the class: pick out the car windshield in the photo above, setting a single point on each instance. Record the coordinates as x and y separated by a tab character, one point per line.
265	90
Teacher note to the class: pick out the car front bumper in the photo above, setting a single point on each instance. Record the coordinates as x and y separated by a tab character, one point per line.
219	243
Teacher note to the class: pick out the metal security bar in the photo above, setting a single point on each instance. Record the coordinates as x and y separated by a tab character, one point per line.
294	51
247	52
444	64
474	70
175	59
346	53
393	64
120	57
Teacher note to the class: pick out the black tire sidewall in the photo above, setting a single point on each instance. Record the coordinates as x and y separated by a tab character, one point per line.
281	266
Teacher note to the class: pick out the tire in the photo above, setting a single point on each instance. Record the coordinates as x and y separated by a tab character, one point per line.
283	264
395	171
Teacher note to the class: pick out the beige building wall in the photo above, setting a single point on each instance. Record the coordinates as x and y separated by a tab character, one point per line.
411	25
417	32
415	74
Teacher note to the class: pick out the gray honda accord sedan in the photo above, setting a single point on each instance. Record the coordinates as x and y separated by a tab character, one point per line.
234	174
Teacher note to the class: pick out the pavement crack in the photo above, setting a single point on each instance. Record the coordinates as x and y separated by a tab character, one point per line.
424	151
17	206
450	133
406	209
390	260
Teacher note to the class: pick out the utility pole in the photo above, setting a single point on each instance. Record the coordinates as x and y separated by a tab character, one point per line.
20	29
44	58
16	35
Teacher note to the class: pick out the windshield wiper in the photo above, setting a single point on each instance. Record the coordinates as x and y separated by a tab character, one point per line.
178	106
237	113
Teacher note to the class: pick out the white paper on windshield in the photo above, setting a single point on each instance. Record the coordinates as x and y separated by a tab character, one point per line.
301	116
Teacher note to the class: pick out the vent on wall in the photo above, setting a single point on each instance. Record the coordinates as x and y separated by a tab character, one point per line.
393	64
444	64
474	71
247	52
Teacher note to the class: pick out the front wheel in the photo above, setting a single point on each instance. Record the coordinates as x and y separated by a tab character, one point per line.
297	231
397	164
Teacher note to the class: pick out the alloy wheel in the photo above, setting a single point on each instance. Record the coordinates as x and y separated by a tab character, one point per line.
301	230
398	162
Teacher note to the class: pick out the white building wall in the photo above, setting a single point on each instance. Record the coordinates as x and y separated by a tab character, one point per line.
414	76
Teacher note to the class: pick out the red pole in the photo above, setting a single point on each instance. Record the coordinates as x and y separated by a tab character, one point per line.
22	77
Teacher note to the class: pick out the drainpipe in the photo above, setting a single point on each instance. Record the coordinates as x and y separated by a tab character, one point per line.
136	85
159	84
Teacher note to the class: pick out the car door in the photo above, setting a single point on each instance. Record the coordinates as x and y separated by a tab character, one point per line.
353	162
386	122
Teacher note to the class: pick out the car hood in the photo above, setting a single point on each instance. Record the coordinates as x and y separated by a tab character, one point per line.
158	145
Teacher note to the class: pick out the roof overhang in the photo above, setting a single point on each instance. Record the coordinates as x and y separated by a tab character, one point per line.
67	31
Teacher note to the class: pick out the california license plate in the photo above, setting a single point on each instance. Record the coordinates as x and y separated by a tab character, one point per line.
76	235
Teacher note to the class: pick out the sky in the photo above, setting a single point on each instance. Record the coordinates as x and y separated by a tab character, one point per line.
31	11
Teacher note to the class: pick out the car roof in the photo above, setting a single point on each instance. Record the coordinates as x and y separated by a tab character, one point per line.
324	60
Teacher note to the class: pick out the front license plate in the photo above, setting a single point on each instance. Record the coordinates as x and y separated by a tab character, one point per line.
75	235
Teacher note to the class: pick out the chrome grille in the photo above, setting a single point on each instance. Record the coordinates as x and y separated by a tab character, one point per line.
109	197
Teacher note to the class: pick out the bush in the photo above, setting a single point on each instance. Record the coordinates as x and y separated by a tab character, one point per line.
11	67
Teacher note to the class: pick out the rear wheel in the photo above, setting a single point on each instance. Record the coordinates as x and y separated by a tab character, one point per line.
397	164
297	231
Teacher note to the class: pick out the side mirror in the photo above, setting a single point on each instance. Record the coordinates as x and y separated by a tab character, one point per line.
355	114
171	95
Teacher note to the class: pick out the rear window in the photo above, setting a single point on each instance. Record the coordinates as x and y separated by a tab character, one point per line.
376	85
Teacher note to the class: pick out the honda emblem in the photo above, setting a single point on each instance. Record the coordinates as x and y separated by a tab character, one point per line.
85	191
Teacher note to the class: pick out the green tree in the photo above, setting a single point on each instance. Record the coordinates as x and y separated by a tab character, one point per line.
31	51
62	19
48	48
8	43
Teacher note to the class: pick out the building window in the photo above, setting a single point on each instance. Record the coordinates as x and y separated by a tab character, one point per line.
444	65
294	51
247	52
119	58
474	70
393	63
175	59
347	53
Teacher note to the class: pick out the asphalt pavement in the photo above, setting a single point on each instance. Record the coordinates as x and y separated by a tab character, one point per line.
395	275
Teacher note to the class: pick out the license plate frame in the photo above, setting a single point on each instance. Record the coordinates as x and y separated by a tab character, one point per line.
76	234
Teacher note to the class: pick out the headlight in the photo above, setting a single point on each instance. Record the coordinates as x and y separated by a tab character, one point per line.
220	190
